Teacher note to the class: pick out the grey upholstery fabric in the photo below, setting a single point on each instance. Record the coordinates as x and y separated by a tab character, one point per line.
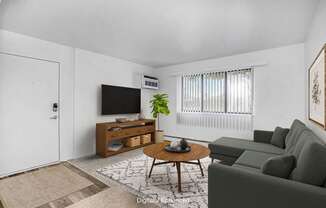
227	146
278	138
279	166
254	159
263	136
251	188
226	159
307	136
296	129
235	147
311	165
231	187
257	170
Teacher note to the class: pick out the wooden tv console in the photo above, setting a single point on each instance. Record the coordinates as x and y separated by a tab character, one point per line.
107	132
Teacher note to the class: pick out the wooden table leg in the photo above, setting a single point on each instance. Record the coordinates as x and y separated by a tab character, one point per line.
150	172
201	169
179	176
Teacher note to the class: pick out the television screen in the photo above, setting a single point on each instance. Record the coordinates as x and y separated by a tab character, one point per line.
120	100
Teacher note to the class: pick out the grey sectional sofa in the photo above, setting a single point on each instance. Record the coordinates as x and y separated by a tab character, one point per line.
241	184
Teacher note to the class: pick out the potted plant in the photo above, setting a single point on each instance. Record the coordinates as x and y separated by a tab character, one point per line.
159	105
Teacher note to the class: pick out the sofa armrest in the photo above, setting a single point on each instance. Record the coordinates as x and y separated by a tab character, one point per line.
263	136
233	188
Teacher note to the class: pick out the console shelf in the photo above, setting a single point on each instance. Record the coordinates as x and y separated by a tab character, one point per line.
108	132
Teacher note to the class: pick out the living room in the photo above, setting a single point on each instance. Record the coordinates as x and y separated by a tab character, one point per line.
173	86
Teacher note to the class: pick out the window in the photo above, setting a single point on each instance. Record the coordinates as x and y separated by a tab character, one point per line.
218	92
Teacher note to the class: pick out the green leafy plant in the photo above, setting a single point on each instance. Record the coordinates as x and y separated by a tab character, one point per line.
159	105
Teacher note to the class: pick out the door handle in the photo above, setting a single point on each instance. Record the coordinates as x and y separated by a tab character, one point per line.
54	117
55	107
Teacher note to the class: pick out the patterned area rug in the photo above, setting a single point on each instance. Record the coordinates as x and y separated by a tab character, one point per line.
162	187
55	186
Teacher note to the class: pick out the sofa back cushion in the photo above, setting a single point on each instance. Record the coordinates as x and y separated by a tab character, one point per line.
292	137
307	136
311	165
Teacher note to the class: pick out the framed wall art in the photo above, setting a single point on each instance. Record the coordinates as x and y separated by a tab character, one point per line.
317	96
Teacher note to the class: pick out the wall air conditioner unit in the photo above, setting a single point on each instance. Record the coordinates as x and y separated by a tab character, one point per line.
150	82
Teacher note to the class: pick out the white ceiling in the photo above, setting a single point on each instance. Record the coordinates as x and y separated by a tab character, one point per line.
162	32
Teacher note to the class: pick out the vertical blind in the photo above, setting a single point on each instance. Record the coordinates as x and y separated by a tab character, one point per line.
239	91
214	92
218	92
192	93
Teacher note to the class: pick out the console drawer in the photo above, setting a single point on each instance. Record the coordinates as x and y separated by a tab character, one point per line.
130	132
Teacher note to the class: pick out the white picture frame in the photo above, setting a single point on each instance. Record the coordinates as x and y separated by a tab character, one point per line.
317	91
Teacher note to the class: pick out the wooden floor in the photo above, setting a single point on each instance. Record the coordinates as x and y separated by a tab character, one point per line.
93	188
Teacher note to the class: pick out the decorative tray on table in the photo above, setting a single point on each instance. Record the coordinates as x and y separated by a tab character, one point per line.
178	149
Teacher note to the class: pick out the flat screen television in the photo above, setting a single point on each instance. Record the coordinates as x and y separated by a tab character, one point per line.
120	100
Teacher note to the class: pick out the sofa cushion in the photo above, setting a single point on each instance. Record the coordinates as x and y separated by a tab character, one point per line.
251	169
306	136
235	147
224	158
254	159
278	138
311	165
296	129
279	166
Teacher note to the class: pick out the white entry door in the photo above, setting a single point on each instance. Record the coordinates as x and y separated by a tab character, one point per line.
29	126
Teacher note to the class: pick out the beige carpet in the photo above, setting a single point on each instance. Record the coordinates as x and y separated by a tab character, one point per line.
39	187
113	198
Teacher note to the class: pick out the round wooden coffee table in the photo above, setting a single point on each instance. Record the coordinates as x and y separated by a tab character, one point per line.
157	152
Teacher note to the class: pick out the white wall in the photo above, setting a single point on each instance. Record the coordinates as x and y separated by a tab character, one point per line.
81	73
279	90
27	46
92	70
315	40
